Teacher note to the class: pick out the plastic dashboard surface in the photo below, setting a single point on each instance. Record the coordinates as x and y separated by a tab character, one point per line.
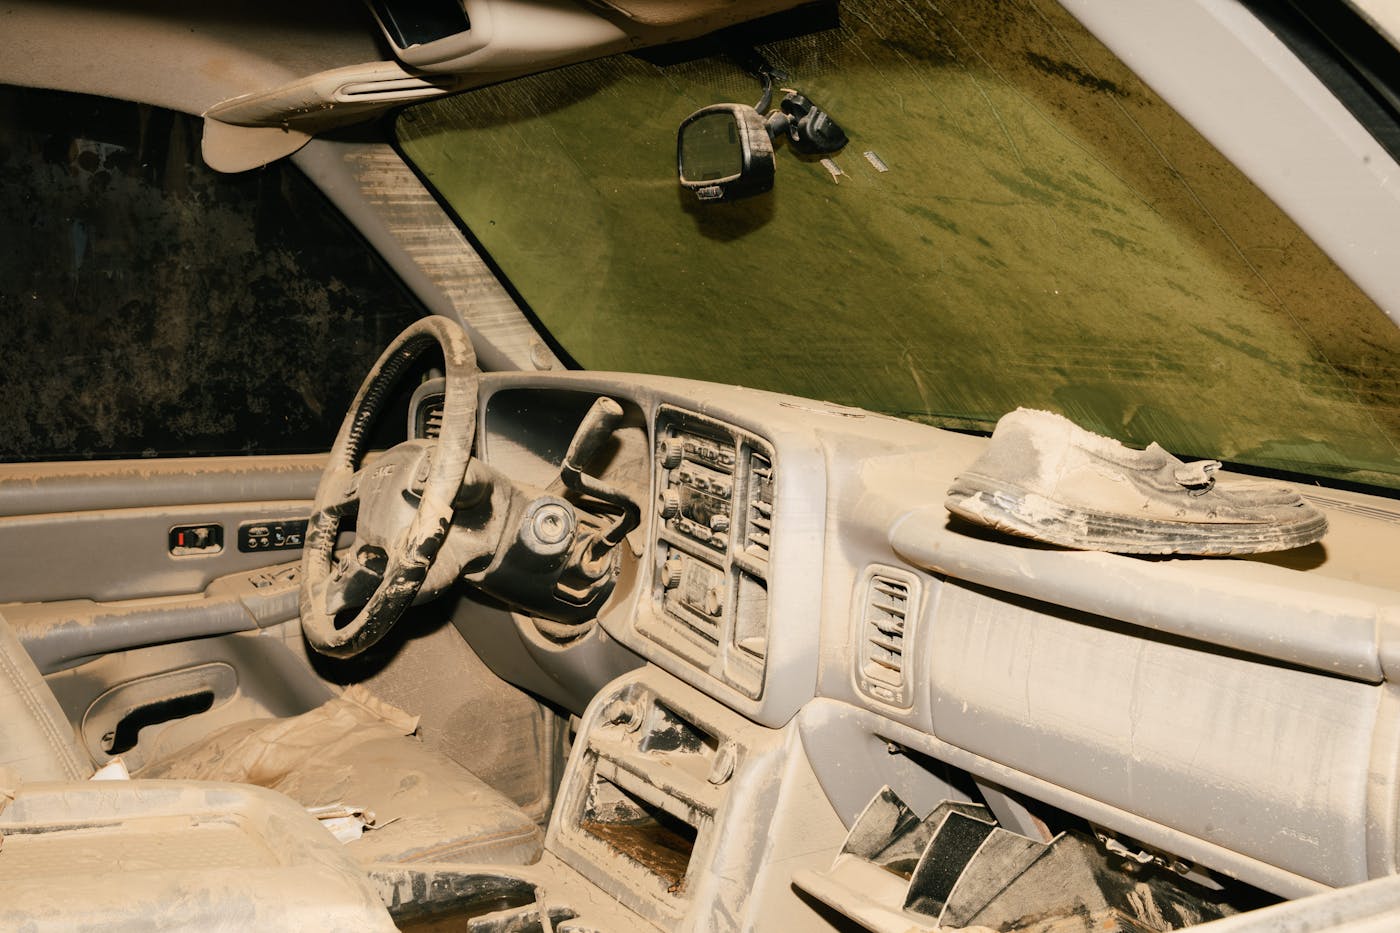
724	595
712	536
1174	701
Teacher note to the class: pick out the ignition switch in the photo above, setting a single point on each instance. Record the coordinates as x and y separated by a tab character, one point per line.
548	528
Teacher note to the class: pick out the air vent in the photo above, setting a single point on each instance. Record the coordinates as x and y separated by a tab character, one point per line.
427	422
758	531
425	408
884	633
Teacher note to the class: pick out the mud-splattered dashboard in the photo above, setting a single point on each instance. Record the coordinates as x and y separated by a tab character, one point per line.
732	490
1045	672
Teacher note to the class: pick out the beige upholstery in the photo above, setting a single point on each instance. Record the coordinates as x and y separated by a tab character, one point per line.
357	751
353	750
36	741
139	856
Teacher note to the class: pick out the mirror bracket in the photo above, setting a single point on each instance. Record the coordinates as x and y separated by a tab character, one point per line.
726	151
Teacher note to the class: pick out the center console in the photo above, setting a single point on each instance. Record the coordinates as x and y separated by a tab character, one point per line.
675	813
658	804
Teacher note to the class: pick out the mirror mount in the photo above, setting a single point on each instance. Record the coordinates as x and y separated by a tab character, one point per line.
726	151
809	129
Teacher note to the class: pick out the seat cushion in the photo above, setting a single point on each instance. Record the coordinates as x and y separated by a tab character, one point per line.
138	856
360	752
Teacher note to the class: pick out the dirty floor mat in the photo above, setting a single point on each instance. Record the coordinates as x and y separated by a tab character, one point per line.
359	751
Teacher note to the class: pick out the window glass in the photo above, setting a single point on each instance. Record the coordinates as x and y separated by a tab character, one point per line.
1017	221
150	306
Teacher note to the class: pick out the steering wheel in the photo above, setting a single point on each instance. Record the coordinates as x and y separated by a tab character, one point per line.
403	500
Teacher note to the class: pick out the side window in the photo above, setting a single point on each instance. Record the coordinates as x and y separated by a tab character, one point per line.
150	306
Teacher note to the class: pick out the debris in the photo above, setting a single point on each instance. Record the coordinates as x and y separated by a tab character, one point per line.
961	870
114	770
344	822
1046	478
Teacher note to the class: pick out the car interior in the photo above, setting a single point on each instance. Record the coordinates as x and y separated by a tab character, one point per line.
429	501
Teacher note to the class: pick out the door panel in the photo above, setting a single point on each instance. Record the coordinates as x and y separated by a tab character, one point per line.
90	568
58	634
137	641
246	676
88	485
106	536
122	555
152	309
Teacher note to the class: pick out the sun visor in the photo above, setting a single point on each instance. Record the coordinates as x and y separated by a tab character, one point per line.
444	46
229	148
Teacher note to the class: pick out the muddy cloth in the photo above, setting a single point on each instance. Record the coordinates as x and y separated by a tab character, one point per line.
1044	477
358	751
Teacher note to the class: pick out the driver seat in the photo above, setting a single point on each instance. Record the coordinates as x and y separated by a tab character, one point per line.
353	750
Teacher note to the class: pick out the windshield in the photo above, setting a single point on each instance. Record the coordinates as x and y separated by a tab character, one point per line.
1016	221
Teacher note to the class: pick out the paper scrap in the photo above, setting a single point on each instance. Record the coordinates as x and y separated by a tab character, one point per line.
114	770
344	822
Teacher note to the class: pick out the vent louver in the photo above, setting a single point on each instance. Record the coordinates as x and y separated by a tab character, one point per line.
884	629
758	532
428	421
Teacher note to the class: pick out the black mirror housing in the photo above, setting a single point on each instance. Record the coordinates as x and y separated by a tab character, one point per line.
724	152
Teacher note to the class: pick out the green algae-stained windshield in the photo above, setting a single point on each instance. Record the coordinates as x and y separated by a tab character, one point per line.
1018	221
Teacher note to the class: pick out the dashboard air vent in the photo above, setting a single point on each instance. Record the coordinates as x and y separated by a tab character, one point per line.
884	632
425	408
758	531
428	420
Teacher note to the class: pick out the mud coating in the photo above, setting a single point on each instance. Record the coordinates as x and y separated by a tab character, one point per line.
654	843
1048	233
149	306
412	555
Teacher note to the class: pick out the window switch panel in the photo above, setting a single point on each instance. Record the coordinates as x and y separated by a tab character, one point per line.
284	534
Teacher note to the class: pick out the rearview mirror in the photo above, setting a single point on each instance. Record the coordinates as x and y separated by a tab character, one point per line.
724	152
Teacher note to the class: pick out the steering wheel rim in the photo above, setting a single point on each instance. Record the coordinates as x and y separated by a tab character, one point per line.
409	559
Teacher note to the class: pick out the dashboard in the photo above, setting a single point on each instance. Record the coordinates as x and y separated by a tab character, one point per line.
732	533
795	563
